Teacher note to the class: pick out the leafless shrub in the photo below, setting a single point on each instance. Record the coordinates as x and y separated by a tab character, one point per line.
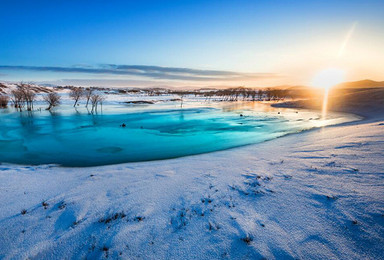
53	100
44	204
181	95
4	101
96	99
29	95
88	94
113	217
23	95
17	98
76	94
247	239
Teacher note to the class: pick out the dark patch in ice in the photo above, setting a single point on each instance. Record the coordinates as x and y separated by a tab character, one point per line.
110	149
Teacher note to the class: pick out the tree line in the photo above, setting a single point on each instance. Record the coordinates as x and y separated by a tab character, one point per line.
239	93
24	97
91	97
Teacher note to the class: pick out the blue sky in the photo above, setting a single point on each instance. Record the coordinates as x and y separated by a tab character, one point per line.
258	38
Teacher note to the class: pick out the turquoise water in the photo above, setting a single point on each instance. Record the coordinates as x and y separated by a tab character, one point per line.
81	139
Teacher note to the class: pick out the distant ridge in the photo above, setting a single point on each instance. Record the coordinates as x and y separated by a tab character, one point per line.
367	83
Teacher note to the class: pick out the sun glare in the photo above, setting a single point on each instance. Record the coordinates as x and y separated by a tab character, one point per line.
328	78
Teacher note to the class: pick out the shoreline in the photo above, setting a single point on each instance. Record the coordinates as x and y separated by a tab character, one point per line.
184	156
366	103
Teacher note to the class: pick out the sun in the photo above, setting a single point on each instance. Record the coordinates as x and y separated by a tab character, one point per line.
328	78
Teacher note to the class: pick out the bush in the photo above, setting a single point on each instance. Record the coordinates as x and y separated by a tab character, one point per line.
53	100
76	94
4	101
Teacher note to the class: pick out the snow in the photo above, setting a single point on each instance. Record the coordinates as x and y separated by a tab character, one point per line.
314	195
318	194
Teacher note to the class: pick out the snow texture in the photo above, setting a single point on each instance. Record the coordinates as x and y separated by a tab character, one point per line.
314	195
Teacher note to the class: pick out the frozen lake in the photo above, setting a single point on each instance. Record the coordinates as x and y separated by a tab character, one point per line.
77	138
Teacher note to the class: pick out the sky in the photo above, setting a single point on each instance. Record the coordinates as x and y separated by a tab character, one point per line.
189	43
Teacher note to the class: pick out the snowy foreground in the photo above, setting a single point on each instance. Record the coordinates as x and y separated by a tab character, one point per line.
318	195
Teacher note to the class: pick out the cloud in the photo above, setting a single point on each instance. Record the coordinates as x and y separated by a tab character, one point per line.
149	72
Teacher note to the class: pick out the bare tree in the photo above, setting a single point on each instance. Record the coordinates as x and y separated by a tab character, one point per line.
53	100
181	94
88	94
29	95
17	98
4	101
22	95
269	94
96	99
76	94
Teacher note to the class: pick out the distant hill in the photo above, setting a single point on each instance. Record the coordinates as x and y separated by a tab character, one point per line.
367	83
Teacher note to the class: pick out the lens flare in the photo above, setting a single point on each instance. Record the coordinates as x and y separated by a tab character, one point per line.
326	79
